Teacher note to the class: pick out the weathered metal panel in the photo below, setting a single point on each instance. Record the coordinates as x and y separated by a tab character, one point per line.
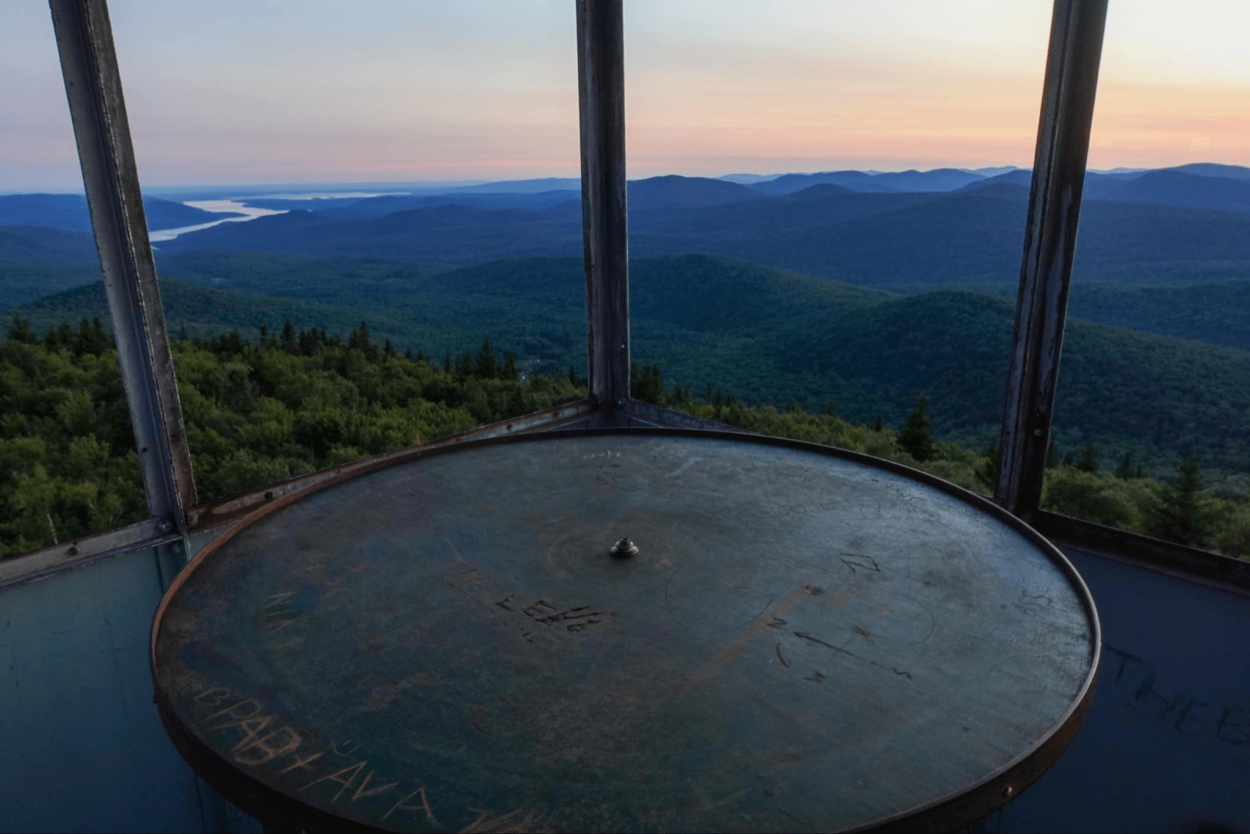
1187	563
94	89
78	553
649	414
605	227
1049	243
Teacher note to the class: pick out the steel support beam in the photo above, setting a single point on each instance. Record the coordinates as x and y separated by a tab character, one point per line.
94	89
605	228
1049	242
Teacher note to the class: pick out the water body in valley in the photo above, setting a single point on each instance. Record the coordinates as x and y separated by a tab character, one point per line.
238	213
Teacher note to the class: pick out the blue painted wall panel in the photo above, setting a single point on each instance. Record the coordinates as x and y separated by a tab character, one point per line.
1166	745
81	746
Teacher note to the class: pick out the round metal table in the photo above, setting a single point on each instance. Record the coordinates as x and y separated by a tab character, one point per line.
806	639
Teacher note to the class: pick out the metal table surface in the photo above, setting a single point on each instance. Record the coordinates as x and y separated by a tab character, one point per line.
806	640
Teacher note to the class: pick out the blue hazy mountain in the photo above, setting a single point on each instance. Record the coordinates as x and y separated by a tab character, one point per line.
892	240
1176	188
814	207
990	172
1213	169
525	186
673	192
386	204
791	183
36	261
748	179
70	212
1132	230
40	244
1201	185
939	179
655	193
1018	176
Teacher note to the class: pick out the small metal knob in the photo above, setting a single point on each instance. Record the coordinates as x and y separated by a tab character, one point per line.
624	548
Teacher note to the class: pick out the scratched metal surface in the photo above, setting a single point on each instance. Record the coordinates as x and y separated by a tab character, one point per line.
802	641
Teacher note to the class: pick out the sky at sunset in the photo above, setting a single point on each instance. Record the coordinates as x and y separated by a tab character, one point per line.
228	92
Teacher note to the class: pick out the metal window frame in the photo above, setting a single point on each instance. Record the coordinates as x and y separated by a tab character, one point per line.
1071	82
605	191
93	87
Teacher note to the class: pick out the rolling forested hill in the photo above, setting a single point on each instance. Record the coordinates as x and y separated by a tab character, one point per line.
761	334
1216	312
844	287
43	245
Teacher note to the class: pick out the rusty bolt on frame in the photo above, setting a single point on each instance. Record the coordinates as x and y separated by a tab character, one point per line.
624	548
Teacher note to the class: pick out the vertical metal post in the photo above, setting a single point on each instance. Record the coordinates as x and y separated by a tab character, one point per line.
1049	242
605	229
94	89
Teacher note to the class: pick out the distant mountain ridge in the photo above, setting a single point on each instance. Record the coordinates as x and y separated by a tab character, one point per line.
69	212
970	238
897	240
938	179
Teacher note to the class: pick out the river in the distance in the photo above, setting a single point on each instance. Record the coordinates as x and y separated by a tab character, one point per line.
242	213
239	214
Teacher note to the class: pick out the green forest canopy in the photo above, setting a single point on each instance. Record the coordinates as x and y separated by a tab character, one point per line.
297	401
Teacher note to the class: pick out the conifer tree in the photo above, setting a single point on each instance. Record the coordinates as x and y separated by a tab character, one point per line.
988	471
916	438
99	341
465	365
60	337
646	384
232	342
1089	458
1126	469
20	331
1183	514
484	365
359	339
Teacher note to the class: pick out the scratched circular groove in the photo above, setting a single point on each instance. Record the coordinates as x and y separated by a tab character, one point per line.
802	640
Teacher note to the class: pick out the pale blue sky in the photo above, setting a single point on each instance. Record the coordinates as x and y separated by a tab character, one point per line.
242	92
